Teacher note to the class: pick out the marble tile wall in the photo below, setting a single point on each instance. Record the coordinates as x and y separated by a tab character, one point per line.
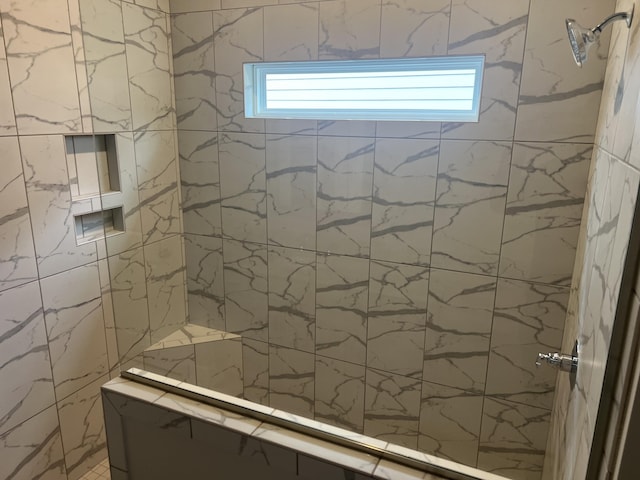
603	246
395	278
71	314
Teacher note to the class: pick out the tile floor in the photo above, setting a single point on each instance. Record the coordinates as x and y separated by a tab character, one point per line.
99	472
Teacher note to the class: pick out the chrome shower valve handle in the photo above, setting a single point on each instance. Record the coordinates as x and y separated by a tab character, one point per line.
560	361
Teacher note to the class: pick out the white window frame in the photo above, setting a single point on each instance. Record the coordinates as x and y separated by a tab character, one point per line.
255	75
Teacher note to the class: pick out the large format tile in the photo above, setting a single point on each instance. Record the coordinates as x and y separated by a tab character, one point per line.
255	366
243	186
147	45
158	184
544	207
450	423
349	29
200	182
205	284
245	286
129	294
414	28
339	398
106	62
471	196
397	317
178	362
219	365
45	171
238	38
341	307
75	328
404	192
498	32
82	429
513	439
392	408
459	319
529	318
194	71
291	380
558	101
24	458
17	257
164	269
345	182
292	304
287	40
291	190
7	116
41	65
26	369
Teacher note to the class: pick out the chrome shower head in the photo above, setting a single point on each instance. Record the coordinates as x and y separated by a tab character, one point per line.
582	38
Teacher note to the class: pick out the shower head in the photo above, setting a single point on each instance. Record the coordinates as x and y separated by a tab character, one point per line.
582	38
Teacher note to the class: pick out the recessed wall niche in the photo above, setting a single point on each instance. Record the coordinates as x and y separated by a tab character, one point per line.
94	181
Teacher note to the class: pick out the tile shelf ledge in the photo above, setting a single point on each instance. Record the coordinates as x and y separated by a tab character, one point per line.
303	435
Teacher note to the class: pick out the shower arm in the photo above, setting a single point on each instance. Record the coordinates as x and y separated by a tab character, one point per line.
612	18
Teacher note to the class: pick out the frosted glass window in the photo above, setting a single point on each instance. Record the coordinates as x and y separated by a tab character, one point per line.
421	89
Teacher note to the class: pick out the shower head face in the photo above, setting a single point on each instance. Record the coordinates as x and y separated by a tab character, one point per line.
580	39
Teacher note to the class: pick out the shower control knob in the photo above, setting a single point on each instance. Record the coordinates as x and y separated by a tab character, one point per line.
560	361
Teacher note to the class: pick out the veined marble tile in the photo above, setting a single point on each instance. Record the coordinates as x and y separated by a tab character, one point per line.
22	457
471	196
238	38
529	318
291	32
129	293
426	130
158	184
164	268
291	380
106	62
292	298
513	439
339	391
7	116
17	257
291	190
345	178
200	182
24	355
243	186
544	207
185	6
397	317
349	29
162	5
558	100
82	78
75	328
392	408
205	281
450	423
347	128
342	295
41	65
404	192
291	127
128	198
107	312
255	365
45	170
219	366
481	27
244	3
194	76
414	28
245	285
147	44
82	429
459	319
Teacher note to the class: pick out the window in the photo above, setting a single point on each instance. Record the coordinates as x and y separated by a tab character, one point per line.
427	89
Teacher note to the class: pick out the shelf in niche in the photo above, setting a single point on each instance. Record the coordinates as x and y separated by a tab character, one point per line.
92	161
94	226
